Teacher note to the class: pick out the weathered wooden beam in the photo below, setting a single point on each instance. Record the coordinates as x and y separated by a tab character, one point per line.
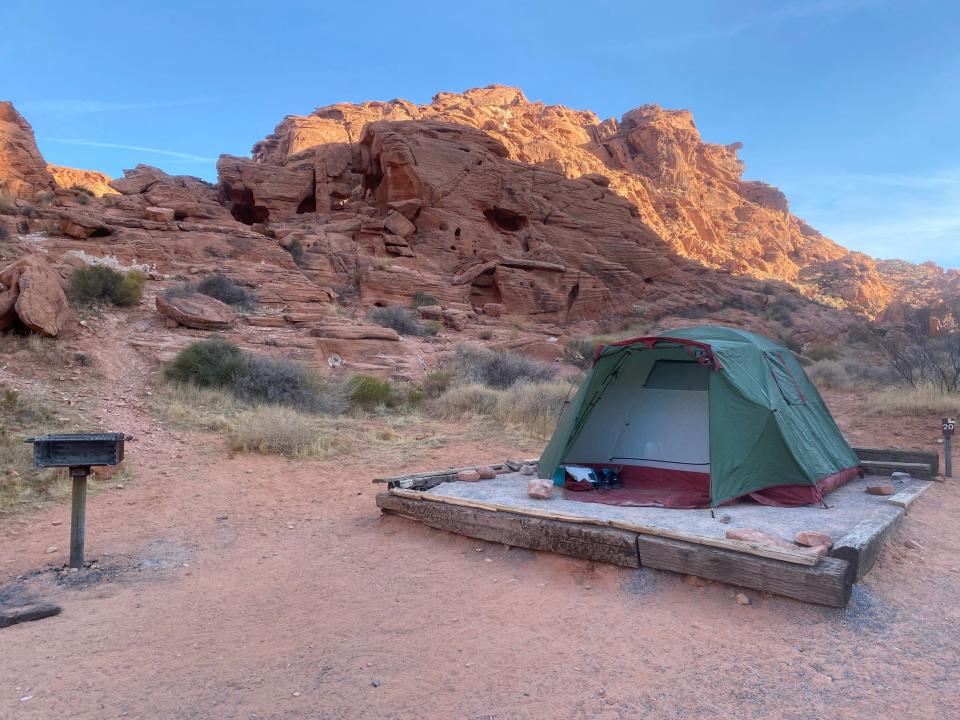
26	612
799	555
826	583
905	498
861	546
589	542
930	457
886	467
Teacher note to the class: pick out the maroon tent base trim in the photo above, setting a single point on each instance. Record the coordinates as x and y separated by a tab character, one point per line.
684	489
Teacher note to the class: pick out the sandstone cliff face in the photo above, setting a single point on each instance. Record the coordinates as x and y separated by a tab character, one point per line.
97	183
23	172
689	193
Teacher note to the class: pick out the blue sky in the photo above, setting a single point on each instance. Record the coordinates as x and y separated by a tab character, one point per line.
850	106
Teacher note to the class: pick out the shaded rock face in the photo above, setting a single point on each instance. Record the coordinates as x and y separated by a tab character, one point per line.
23	172
31	291
689	194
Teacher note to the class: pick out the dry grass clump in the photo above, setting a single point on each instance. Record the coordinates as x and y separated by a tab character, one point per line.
497	368
532	408
282	431
20	483
924	400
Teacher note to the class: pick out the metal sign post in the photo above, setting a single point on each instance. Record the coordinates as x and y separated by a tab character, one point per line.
948	425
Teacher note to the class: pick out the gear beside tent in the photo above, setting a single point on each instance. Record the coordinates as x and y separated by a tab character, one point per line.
699	417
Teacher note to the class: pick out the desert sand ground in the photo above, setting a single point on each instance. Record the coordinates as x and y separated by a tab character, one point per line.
257	587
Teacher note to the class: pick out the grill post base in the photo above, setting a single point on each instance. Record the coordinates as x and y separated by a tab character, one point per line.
78	514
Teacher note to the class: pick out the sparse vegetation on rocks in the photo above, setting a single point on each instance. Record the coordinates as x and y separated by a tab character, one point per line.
402	320
101	284
217	286
421	299
530	407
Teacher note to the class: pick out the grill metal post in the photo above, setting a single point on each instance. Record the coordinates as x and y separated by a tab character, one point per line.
78	514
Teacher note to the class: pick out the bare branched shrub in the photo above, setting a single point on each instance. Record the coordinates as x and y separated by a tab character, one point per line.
402	320
497	368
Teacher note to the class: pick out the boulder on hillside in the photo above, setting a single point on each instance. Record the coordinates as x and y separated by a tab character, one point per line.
32	291
197	311
82	226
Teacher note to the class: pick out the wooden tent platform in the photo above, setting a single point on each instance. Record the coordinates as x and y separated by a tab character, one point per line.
683	541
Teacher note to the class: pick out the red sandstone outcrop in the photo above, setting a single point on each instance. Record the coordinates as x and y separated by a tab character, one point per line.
67	178
23	172
32	291
690	194
196	311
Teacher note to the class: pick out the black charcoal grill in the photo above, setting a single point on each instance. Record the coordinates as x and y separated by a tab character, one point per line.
78	451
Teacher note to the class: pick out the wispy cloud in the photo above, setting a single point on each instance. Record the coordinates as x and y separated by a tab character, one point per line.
137	148
767	20
913	216
62	108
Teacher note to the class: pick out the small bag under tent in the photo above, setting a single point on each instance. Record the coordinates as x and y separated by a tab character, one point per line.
699	417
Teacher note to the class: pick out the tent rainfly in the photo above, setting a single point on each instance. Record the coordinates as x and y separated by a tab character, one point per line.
700	417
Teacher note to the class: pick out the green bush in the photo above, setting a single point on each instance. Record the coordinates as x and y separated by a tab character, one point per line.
402	320
368	392
227	291
823	351
420	299
98	283
497	368
208	363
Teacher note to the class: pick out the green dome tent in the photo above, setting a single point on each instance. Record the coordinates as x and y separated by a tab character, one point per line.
699	417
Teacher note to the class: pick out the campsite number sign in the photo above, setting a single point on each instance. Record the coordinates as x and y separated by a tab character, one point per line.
948	425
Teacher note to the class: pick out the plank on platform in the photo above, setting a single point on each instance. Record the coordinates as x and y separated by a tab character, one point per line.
826	583
929	457
887	467
861	546
589	542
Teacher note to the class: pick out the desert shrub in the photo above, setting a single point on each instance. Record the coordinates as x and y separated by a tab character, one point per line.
467	400
531	407
7	205
180	289
227	291
46	198
420	299
485	334
295	248
4	233
829	374
276	430
823	351
922	400
83	199
81	190
435	383
208	363
84	359
281	382
368	392
402	320
28	211
99	283
497	368
580	351
791	342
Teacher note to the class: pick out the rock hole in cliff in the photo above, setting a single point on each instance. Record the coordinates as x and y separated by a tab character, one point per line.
505	220
456	233
484	289
100	232
244	209
648	281
572	296
307	205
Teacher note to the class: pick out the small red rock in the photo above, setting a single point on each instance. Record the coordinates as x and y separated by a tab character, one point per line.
812	538
468	476
486	472
539	489
742	599
885	489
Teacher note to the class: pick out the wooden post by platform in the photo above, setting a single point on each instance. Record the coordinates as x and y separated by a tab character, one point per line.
948	425
78	514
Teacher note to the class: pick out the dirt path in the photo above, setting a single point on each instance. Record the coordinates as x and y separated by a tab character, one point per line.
256	587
